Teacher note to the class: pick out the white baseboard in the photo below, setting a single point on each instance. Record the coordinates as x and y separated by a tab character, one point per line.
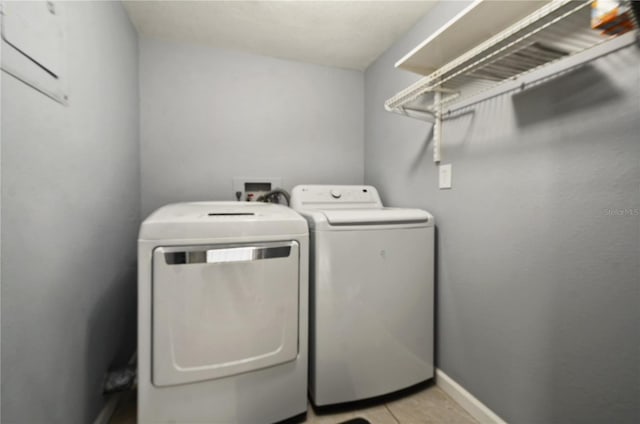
473	406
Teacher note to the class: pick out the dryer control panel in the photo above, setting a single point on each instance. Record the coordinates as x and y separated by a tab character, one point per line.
334	196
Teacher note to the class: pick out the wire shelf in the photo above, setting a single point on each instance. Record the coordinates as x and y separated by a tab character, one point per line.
555	31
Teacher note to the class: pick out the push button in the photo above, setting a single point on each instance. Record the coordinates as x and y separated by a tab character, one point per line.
336	194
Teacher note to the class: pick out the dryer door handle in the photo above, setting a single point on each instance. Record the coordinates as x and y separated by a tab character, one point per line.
216	255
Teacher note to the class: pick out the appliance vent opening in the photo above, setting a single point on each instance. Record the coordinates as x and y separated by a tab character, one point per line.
230	213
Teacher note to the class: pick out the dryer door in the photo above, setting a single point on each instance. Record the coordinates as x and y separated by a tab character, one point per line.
220	310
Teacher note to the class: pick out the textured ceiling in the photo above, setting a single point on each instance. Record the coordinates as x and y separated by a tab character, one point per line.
345	34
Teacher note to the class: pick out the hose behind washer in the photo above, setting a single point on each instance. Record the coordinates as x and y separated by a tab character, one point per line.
274	196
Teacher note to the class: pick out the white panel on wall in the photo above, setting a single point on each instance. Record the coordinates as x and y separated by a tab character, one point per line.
33	45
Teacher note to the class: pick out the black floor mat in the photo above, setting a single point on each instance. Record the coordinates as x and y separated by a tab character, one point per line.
356	421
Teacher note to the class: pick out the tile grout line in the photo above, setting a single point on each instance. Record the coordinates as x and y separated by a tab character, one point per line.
386	405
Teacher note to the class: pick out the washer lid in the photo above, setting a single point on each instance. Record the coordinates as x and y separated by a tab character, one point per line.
375	216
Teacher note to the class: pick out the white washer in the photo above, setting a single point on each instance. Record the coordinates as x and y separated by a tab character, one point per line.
371	293
222	313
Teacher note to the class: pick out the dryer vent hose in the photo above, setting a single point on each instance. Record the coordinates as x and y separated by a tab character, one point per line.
120	380
274	196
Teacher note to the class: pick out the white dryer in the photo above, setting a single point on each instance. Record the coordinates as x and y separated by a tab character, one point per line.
222	313
371	293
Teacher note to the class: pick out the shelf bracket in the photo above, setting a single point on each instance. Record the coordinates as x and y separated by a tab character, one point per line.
432	114
439	101
437	125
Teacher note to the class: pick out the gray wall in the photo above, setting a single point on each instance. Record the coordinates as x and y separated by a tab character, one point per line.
538	291
70	213
208	115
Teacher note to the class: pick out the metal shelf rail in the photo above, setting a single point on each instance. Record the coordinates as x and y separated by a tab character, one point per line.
556	31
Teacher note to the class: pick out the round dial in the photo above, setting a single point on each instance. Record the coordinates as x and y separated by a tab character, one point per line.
336	194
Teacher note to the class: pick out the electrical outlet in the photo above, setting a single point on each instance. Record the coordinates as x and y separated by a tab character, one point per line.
444	172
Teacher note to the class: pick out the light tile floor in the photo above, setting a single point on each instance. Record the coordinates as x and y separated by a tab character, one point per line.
428	406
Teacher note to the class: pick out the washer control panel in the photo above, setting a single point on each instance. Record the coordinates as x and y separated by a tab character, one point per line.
335	196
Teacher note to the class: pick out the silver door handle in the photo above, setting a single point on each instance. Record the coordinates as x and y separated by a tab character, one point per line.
226	255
